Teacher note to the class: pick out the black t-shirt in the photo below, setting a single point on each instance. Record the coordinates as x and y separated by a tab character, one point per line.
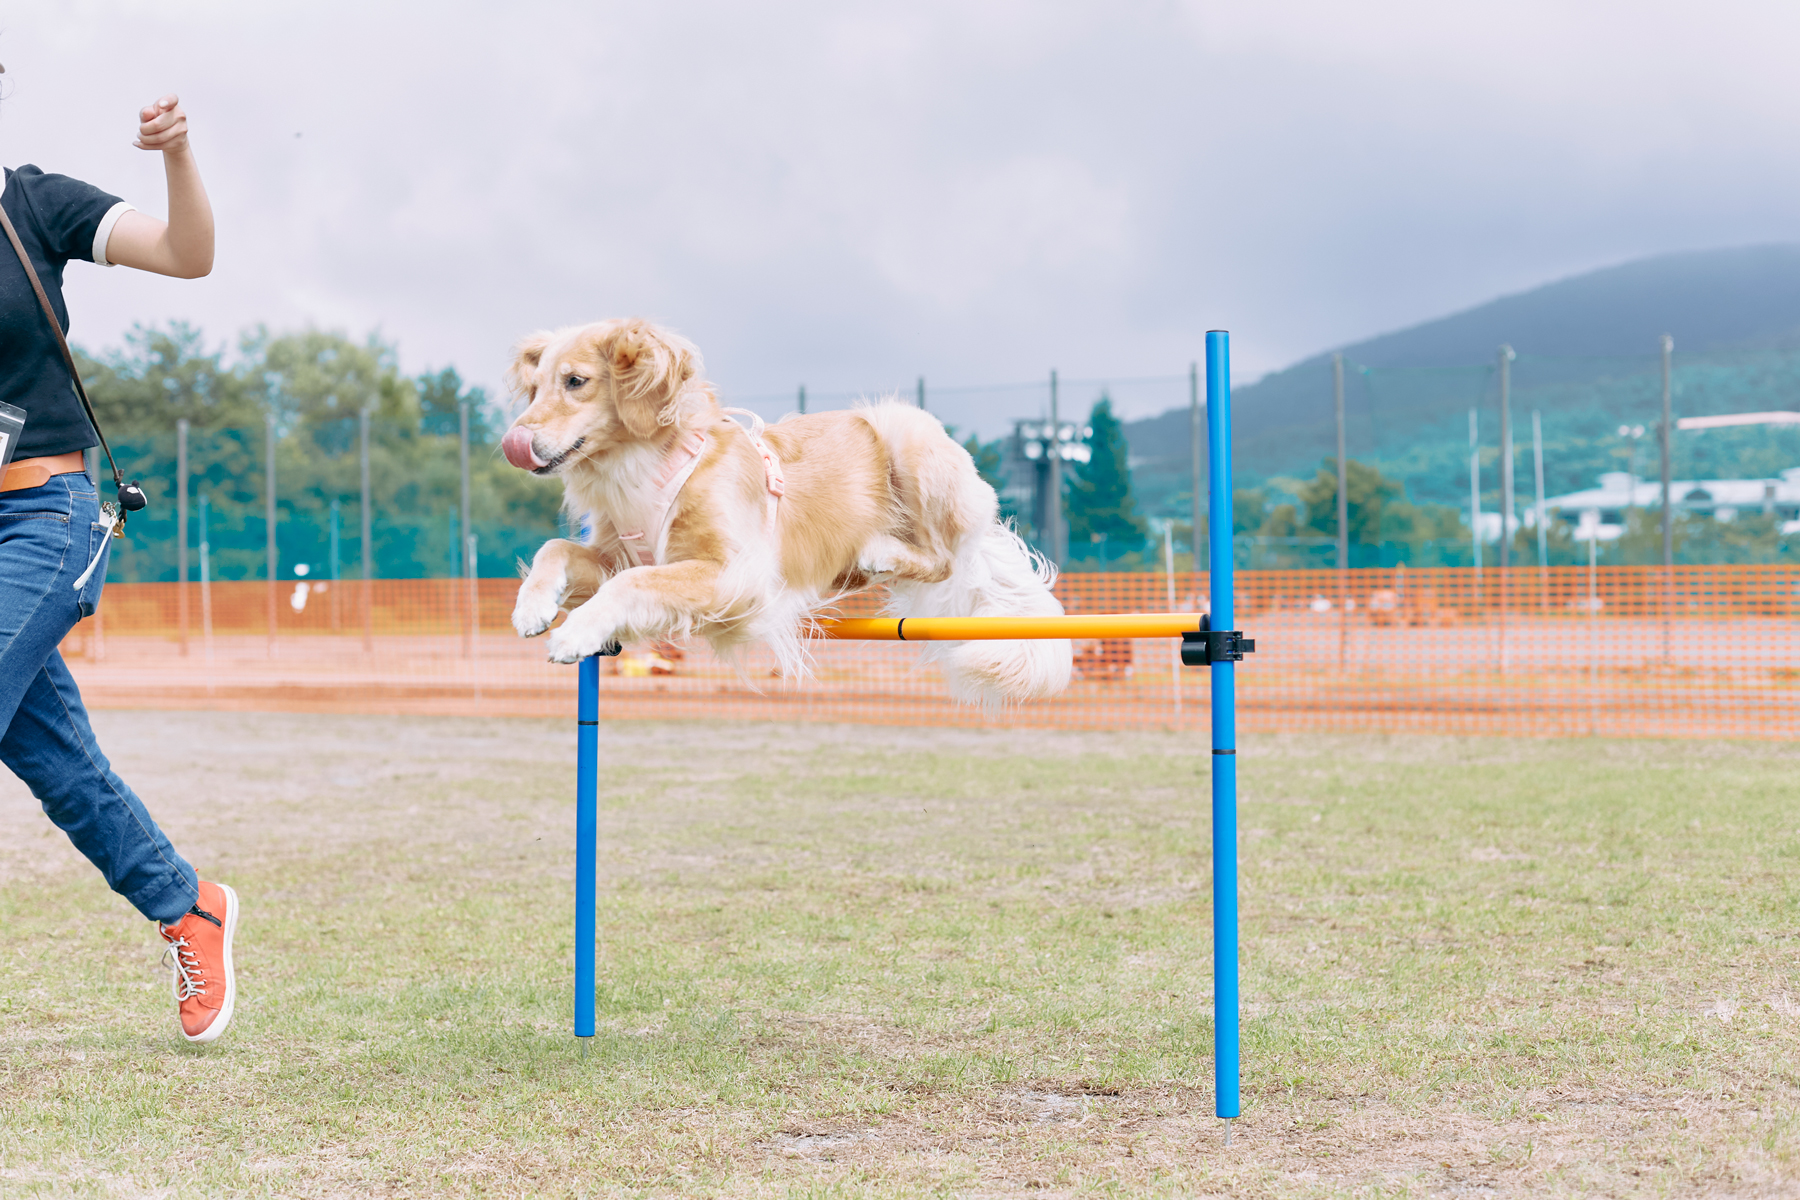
57	219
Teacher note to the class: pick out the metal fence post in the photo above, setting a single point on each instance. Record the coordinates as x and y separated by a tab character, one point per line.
269	518
1196	423
1475	494
181	524
1343	514
468	535
1668	509
368	550
1506	490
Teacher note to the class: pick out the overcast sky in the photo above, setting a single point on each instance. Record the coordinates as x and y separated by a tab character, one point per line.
849	196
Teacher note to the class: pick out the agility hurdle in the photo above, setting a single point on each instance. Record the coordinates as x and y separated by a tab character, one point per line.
1204	642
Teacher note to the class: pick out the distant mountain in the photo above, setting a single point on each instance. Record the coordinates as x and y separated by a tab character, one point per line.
1587	357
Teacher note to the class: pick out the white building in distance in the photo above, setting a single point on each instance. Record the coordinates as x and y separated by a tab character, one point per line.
1599	513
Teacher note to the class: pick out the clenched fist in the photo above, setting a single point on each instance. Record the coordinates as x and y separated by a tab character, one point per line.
162	125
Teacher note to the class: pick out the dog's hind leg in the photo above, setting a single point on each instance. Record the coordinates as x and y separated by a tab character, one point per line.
885	557
563	574
641	604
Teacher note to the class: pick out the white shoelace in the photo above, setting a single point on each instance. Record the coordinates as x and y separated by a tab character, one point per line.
189	981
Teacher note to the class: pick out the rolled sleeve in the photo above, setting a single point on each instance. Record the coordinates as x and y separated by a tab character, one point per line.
103	234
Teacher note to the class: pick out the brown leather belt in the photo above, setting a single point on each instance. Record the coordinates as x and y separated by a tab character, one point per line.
36	472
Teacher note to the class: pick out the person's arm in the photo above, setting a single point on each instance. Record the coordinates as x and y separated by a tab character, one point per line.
182	246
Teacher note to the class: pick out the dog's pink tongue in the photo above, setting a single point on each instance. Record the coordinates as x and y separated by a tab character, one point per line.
516	445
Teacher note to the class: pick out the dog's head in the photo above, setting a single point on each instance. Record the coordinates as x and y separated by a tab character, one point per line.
589	389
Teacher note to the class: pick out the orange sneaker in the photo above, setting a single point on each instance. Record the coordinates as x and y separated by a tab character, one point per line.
200	947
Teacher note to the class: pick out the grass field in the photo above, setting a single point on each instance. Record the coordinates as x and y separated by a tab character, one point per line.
848	961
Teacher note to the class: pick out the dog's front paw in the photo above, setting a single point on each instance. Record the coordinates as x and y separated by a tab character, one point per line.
580	637
535	610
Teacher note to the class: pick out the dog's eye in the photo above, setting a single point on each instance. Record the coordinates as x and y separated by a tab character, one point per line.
574	382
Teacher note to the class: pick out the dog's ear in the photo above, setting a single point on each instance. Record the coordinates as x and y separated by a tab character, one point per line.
526	355
649	367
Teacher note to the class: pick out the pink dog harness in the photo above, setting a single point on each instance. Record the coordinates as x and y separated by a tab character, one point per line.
646	540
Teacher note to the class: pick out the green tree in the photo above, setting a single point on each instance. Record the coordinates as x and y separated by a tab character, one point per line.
1103	520
139	391
1378	511
1752	537
314	384
161	375
441	396
1369	494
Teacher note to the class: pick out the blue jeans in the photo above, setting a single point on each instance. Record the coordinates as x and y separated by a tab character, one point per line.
48	535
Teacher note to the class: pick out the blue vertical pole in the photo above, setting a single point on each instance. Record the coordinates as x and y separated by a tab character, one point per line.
1224	732
587	763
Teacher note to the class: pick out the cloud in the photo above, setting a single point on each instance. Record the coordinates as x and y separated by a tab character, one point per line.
853	196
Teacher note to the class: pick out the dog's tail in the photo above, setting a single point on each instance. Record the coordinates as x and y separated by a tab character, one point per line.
996	573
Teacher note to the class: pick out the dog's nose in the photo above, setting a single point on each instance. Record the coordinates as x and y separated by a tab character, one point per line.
516	445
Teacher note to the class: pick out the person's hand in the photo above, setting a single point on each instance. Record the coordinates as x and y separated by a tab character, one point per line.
162	125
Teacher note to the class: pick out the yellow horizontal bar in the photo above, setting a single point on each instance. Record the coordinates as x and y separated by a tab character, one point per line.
987	629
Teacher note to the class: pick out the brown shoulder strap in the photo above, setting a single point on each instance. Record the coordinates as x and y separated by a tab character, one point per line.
62	343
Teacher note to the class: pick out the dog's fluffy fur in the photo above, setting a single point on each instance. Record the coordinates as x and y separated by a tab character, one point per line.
879	495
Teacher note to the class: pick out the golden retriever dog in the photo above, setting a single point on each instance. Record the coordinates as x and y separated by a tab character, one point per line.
696	524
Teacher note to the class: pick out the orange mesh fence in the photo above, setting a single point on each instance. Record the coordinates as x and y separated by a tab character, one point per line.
1617	651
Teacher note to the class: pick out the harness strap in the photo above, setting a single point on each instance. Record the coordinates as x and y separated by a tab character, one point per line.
771	464
653	520
645	542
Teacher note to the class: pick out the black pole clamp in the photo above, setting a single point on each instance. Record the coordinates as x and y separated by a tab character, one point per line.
1211	645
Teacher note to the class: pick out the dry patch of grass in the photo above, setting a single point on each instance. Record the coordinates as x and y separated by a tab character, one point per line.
868	962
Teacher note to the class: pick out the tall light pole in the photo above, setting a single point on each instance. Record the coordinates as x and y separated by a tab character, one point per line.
803	399
1046	445
921	393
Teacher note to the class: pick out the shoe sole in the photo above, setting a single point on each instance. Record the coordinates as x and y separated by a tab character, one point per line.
224	1018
